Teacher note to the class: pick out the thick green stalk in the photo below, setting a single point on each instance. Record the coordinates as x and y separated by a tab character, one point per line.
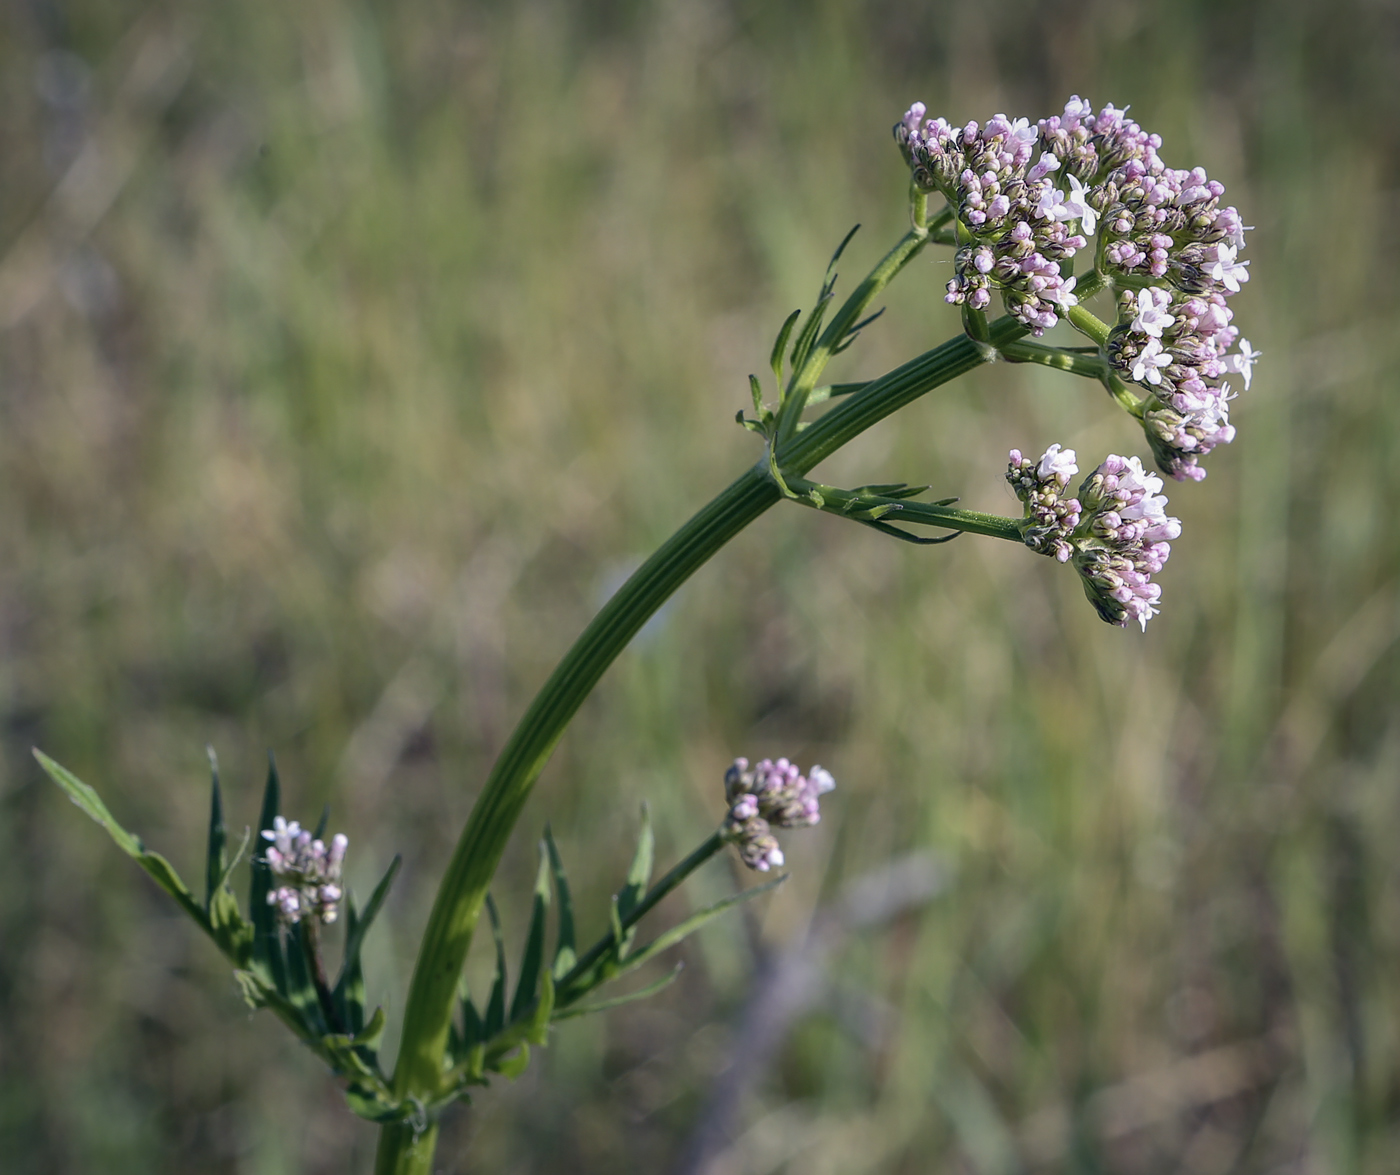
460	896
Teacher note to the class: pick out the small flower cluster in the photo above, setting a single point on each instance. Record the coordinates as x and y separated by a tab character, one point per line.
1163	240
1050	517
1116	531
1016	226
1177	346
307	870
766	796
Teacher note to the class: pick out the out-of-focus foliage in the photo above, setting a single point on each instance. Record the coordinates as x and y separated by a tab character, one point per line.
350	354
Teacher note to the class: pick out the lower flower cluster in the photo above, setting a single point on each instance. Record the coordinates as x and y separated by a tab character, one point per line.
307	871
1116	532
766	796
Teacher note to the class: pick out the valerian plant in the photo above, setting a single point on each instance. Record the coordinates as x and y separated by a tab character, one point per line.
1019	204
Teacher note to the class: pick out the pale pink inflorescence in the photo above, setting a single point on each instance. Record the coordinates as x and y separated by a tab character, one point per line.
306	872
1116	531
770	795
1027	198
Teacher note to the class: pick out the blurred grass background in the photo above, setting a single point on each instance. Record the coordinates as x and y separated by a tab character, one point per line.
350	354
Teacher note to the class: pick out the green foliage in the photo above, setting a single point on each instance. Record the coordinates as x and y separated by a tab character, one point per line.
273	971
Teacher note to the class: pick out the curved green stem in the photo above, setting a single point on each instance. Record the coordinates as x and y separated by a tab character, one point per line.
443	951
867	506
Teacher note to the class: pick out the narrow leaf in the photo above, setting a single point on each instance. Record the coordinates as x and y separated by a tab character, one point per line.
349	992
864	322
671	937
267	941
639	875
355	934
780	345
533	958
301	992
918	540
565	950
473	1027
841	248
756	391
218	836
808	335
321	823
496	1005
604	1005
153	863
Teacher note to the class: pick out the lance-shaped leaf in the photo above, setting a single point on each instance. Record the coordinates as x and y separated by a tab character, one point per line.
495	1054
218	835
639	875
807	336
565	952
301	990
157	866
533	958
612	966
461	1041
348	995
496	1005
605	1005
775	361
267	940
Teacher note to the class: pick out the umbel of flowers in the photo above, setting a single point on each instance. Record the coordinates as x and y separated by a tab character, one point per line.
1116	532
766	796
1027	199
306	871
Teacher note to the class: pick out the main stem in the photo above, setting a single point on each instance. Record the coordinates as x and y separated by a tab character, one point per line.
442	954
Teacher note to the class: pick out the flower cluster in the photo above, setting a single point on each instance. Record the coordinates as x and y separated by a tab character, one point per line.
1050	517
307	870
1177	346
1116	532
1015	226
1164	241
768	795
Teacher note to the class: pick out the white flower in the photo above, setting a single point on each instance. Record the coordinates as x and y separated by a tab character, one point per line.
1077	205
1227	270
1152	318
1057	463
1243	363
1063	294
1050	203
1022	131
1149	363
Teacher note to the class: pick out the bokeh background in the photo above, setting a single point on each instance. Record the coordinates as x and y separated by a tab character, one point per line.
351	353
